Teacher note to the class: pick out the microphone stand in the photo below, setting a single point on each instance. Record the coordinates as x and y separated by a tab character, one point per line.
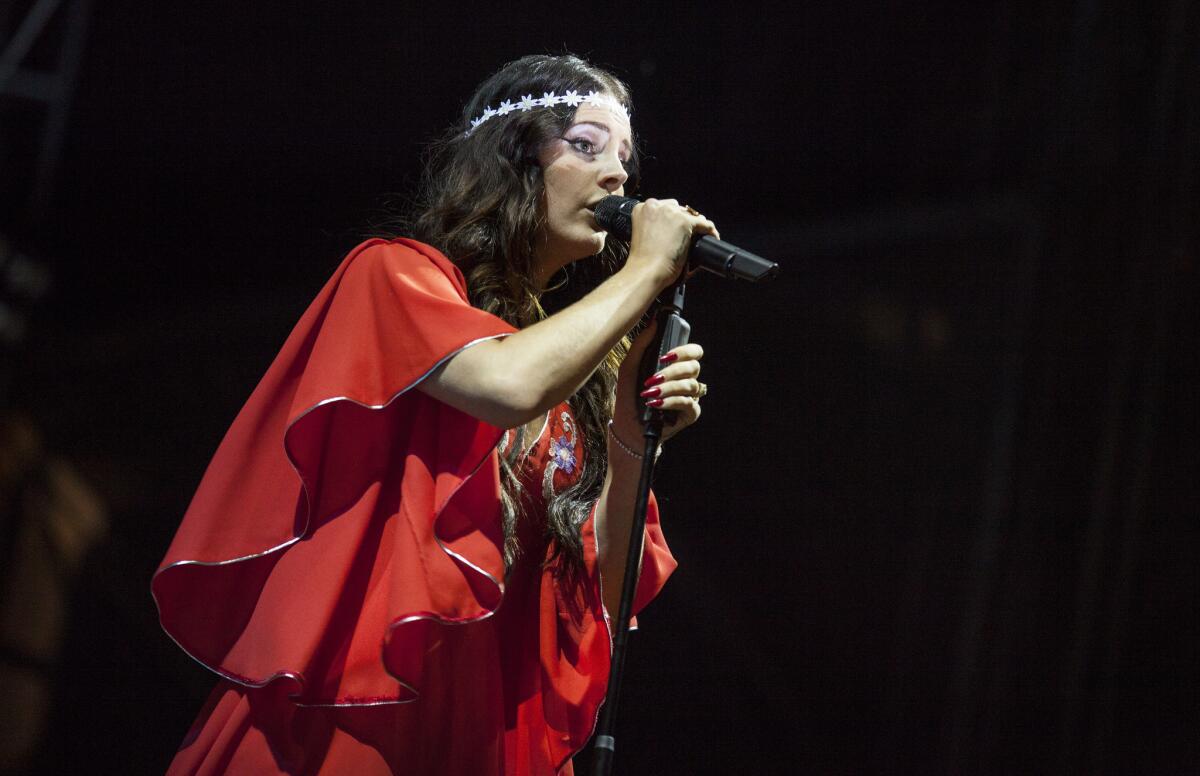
673	332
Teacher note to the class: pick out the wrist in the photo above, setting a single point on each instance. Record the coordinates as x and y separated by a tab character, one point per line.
647	271
627	449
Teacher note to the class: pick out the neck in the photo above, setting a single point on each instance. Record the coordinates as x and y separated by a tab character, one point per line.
545	266
546	273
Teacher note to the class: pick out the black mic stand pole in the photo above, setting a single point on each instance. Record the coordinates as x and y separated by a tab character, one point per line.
673	332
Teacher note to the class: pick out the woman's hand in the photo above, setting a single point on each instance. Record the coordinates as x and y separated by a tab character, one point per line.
675	386
662	234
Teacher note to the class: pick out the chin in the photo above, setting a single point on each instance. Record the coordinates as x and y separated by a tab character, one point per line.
587	246
577	243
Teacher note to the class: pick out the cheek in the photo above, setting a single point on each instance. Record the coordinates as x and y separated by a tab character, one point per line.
562	190
552	185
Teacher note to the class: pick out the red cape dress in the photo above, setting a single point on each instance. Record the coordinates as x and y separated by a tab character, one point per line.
341	568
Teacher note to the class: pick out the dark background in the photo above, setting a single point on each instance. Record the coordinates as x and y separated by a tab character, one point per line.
940	515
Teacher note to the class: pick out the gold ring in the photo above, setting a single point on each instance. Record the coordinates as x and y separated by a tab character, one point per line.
703	391
691	210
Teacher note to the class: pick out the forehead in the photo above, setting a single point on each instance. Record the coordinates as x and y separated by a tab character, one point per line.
616	124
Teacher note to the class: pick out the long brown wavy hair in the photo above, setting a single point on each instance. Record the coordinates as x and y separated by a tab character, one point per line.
480	201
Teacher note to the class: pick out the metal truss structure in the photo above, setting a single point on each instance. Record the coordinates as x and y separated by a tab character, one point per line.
51	89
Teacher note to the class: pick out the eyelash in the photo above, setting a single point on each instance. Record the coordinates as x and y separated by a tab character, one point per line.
579	143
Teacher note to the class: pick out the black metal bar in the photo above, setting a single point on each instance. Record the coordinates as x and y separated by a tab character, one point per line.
605	743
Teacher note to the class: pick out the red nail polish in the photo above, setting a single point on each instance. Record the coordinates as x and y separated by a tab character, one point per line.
668	358
654	380
650	392
654	403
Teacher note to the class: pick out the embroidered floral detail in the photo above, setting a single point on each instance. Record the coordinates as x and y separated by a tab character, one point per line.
527	102
562	455
572	98
562	452
506	107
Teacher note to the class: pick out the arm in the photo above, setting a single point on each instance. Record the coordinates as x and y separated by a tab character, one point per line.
614	521
511	381
679	390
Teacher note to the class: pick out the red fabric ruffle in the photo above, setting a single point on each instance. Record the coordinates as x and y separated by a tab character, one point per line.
346	520
260	580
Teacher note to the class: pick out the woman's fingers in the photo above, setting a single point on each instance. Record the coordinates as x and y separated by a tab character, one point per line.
676	388
662	230
680	363
705	226
685	409
688	352
677	371
689	387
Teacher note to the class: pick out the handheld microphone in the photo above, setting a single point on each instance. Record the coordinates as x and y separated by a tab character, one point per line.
615	214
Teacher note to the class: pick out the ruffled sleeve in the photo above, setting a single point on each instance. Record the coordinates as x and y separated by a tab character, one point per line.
342	504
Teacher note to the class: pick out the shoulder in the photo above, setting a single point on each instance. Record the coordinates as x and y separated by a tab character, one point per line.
405	262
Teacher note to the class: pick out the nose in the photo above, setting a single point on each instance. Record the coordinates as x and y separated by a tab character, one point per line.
614	175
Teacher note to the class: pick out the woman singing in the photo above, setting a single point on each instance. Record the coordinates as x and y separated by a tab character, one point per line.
384	577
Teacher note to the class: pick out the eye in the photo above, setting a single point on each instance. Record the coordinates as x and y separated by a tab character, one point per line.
583	145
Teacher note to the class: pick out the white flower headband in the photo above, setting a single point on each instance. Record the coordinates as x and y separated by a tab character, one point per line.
549	100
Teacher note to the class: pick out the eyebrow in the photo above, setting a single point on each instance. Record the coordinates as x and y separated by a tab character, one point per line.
625	144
